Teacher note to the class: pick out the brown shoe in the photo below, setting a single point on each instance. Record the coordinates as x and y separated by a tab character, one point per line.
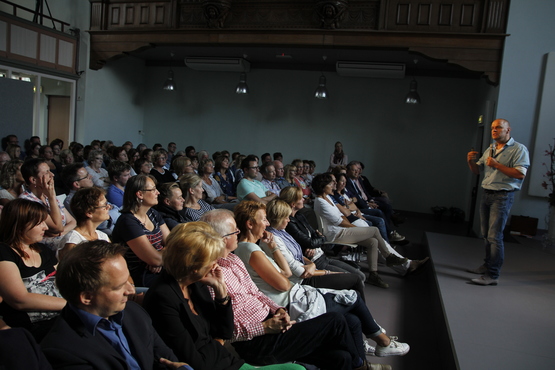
367	366
416	264
375	279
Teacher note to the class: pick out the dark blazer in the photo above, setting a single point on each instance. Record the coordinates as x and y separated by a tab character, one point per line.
353	191
189	335
19	350
69	345
299	228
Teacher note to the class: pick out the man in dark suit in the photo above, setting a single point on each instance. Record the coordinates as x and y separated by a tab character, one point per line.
369	197
98	328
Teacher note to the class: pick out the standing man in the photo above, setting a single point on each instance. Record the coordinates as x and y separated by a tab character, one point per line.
99	328
504	164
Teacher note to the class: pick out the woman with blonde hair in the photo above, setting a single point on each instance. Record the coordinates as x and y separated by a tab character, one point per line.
310	241
189	320
270	272
289	173
194	206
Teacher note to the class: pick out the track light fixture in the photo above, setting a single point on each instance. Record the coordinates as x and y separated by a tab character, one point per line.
242	87
321	91
170	83
412	96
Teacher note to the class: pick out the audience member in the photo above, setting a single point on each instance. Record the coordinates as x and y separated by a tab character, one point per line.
266	157
99	175
4	158
182	310
78	152
278	157
311	241
194	206
27	268
161	174
214	194
66	157
290	172
269	177
91	331
142	229
182	165
170	203
142	166
46	153
264	332
224	176
90	208
249	188
40	188
338	157
172	147
365	199
14	151
119	173
11	181
299	180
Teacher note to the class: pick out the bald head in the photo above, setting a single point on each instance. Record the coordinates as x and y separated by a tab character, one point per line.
501	130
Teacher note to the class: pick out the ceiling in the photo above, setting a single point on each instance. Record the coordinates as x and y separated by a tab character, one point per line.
309	59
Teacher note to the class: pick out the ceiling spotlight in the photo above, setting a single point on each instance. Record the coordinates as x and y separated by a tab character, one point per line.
412	96
242	87
170	84
321	92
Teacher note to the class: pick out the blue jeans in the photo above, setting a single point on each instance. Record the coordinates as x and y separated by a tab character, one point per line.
494	211
358	318
376	218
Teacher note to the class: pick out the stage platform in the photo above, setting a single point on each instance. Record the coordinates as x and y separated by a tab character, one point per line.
508	326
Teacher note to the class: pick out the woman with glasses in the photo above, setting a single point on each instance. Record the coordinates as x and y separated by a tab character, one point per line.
90	208
182	165
142	229
99	175
162	175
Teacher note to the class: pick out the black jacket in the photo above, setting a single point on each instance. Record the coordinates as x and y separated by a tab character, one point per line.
299	228
69	345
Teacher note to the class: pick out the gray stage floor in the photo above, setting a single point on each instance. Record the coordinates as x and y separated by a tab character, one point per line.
510	326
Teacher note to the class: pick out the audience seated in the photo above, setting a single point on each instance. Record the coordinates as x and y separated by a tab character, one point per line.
224	176
214	193
142	166
66	157
194	206
249	188
170	203
99	175
180	305
338	228
142	229
40	188
119	173
4	158
19	350
264	333
91	331
299	180
14	151
348	207
338	157
280	180
11	181
182	165
161	174
27	268
269	177
46	153
90	208
311	241
366	199
290	172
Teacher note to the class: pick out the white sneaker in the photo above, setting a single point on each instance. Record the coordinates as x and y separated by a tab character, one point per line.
368	348
394	236
394	349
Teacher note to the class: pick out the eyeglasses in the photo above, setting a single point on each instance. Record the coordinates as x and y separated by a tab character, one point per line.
254	168
83	178
233	233
153	189
105	206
